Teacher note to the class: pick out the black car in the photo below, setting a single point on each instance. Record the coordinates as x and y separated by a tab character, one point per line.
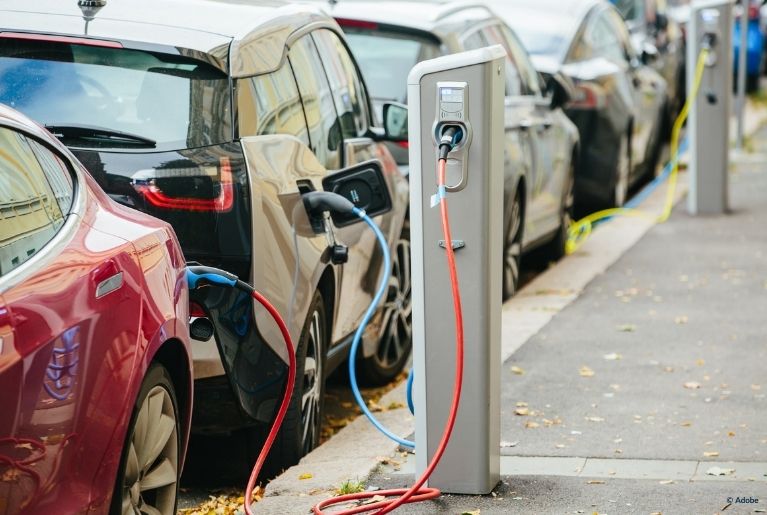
619	103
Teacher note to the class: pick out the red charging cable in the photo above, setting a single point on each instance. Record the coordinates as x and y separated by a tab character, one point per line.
417	493
285	399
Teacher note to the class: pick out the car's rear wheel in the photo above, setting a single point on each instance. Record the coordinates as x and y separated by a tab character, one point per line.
512	253
395	336
300	432
147	481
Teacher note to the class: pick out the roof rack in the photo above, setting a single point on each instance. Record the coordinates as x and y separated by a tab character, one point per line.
454	7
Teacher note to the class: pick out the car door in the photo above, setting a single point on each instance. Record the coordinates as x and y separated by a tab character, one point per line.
69	329
519	155
551	138
360	274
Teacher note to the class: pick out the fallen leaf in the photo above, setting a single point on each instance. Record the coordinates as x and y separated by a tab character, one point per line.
730	433
700	362
517	370
691	385
717	471
595	482
682	319
521	411
686	423
474	512
505	443
585	371
595	419
667	482
531	425
521	404
756	387
711	454
613	356
559	446
627	328
25	445
306	475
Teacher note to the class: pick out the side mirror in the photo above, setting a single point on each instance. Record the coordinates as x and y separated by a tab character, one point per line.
395	121
649	53
365	186
560	89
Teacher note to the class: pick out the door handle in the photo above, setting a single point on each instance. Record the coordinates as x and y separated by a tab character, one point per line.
107	278
525	124
546	125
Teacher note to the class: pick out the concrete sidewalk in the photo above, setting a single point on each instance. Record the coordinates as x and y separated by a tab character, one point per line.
636	382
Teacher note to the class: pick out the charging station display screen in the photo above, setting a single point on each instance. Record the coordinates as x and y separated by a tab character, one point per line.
451	95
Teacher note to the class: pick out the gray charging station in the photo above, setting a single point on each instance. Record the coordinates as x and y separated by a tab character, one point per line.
465	89
709	127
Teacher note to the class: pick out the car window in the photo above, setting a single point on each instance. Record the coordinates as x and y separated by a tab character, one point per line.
317	98
174	100
29	207
483	38
386	58
604	39
345	82
530	77
277	104
58	174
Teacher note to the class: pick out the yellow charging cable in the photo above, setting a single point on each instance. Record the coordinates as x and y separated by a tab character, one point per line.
580	230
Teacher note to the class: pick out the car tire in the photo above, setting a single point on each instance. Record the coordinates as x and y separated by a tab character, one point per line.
512	248
622	173
395	337
149	467
555	249
300	431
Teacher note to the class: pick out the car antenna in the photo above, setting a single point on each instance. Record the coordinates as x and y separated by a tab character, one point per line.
89	9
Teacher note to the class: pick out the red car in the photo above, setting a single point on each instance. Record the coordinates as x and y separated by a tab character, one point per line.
95	369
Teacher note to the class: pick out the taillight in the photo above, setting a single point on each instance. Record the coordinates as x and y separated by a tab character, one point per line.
196	310
588	96
199	188
753	12
403	144
357	24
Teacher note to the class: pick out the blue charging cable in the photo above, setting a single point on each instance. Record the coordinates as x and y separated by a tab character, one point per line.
382	287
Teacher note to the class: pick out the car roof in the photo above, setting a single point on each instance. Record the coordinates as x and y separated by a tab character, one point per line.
207	26
433	16
563	17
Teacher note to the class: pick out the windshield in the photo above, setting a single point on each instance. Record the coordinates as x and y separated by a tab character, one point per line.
544	32
174	101
386	58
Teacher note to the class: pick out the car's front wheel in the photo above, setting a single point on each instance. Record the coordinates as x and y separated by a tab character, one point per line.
147	481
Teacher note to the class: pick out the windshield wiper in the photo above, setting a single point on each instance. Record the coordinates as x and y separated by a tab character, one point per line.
100	134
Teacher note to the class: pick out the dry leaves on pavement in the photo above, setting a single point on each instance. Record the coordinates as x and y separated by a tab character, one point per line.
227	504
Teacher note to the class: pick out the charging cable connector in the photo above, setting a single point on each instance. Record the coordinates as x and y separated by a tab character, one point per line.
451	137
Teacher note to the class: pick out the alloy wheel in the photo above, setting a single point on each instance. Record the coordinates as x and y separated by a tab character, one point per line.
311	397
512	250
395	336
151	467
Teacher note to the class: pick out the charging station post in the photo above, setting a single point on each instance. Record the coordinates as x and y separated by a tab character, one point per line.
465	91
709	128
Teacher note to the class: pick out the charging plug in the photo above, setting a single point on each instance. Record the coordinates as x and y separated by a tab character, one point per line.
451	136
198	276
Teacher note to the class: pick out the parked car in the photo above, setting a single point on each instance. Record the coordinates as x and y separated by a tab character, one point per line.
755	41
619	103
95	361
217	121
541	143
659	40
